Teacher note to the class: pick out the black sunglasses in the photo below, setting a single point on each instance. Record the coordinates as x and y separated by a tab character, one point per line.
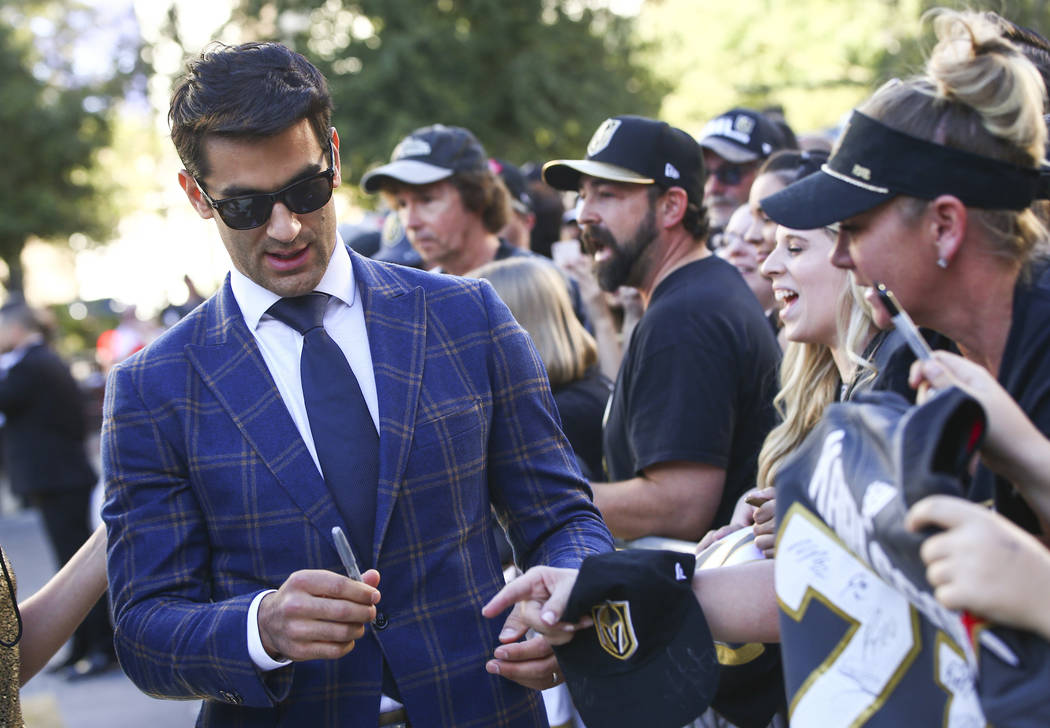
731	174
245	212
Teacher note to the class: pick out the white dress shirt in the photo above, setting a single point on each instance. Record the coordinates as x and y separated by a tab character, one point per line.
282	346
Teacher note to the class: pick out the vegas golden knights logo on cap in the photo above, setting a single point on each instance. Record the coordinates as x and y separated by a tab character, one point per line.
602	136
612	621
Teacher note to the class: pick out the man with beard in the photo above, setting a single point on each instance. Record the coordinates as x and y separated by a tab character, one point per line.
735	144
693	397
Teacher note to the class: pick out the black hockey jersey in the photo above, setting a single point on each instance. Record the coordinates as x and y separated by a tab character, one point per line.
863	640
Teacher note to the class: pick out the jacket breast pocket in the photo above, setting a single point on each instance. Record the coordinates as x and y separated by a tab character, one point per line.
448	426
449	446
445	484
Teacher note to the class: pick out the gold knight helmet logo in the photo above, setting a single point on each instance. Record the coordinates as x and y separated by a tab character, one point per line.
602	136
612	622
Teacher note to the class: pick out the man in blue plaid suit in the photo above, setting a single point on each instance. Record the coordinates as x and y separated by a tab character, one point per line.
224	580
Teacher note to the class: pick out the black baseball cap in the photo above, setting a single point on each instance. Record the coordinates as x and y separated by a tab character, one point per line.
649	660
743	135
872	163
429	154
635	149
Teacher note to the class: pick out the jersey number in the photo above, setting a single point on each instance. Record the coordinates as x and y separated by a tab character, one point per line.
882	641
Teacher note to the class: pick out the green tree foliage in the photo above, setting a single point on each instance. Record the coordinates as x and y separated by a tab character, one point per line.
531	78
814	58
913	48
52	124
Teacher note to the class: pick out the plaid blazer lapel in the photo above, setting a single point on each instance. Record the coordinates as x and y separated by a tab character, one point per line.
231	366
395	317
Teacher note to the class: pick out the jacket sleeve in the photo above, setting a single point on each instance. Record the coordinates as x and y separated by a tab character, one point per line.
534	482
172	639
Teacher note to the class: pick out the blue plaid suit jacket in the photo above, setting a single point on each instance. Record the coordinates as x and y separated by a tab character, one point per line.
212	496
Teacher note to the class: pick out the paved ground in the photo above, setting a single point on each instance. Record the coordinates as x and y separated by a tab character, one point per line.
106	701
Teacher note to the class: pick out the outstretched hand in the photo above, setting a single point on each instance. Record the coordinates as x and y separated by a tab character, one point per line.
541	594
538	598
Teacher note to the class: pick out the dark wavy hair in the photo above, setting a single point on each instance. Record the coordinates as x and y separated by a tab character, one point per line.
249	90
484	194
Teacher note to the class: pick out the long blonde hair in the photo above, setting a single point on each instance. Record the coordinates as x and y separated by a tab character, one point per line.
980	94
810	380
536	294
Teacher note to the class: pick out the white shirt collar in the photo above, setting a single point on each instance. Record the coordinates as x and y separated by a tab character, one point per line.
337	281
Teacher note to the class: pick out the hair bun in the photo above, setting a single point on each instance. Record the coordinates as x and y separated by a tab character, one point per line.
975	65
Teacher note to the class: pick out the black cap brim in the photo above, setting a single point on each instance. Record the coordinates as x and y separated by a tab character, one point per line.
820	200
667	692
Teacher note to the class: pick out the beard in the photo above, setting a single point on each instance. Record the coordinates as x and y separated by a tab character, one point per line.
622	267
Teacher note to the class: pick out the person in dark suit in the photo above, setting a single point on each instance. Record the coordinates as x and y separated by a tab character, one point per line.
221	495
47	461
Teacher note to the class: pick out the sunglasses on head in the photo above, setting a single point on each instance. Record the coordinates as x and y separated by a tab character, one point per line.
245	212
731	174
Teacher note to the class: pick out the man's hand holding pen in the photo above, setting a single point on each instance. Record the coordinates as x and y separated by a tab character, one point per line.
317	614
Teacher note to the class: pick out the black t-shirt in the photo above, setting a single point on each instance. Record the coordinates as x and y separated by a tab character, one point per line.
1025	374
697	381
581	405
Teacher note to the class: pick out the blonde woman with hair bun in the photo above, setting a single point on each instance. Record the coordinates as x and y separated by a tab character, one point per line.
534	291
932	183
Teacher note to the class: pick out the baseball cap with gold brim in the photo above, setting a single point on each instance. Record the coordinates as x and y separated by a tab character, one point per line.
873	163
637	150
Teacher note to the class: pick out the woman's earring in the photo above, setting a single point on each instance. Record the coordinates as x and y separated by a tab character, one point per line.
942	263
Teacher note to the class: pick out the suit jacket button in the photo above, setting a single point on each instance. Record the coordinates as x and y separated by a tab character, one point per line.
380	622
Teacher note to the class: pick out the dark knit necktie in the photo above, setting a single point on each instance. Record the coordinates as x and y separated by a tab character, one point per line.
344	434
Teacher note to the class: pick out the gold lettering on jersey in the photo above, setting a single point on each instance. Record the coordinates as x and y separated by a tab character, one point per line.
612	622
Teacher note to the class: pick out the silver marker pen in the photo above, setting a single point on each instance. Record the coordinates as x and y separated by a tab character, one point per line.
346	554
902	321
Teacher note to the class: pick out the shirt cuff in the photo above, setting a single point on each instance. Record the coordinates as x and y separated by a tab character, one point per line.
255	646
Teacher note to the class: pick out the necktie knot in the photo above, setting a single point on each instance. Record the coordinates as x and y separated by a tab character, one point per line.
302	313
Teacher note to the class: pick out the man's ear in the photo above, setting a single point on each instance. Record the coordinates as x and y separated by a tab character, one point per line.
672	205
336	163
193	194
